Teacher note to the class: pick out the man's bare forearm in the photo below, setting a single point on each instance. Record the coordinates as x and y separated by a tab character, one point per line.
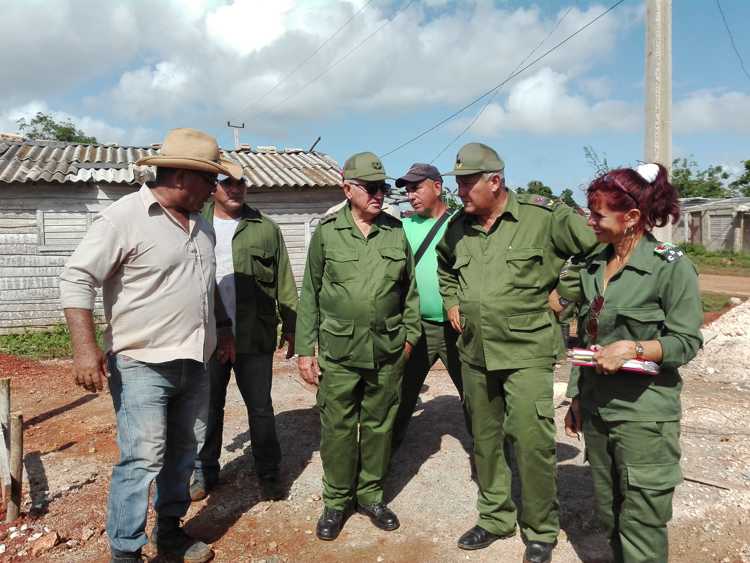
81	326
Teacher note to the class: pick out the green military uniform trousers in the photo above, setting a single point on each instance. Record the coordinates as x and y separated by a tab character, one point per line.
357	410
516	404
635	466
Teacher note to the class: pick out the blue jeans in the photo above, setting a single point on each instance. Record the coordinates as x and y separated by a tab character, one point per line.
156	406
253	373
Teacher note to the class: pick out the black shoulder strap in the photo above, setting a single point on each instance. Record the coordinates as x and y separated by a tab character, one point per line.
430	236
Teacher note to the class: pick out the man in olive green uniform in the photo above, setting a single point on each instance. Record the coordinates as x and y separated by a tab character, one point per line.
497	263
255	283
631	422
359	304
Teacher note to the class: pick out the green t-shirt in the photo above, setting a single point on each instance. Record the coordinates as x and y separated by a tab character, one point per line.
416	228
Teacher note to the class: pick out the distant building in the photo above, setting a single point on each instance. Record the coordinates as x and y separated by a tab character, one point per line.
50	191
717	224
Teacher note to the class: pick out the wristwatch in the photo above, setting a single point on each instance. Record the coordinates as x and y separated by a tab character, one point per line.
639	352
563	302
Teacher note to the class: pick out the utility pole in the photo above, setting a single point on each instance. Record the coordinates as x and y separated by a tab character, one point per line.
658	145
236	131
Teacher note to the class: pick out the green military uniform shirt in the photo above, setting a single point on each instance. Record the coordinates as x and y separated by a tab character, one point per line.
501	279
654	297
359	298
263	280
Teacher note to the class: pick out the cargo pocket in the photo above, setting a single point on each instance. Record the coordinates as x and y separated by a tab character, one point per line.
648	500
459	265
263	264
394	262
642	323
524	266
341	265
545	408
336	338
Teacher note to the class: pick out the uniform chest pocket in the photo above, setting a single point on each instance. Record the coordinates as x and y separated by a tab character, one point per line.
641	323
394	262
525	266
263	267
341	265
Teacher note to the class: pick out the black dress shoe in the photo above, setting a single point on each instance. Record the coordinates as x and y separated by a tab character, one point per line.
270	487
330	524
538	552
380	515
478	538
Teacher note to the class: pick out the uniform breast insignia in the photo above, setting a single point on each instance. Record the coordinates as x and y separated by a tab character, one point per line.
668	251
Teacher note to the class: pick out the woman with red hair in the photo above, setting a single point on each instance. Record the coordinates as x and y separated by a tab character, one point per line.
640	302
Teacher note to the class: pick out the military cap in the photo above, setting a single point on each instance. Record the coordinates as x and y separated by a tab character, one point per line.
364	166
475	158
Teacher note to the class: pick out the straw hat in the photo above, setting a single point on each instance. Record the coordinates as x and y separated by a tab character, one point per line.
192	150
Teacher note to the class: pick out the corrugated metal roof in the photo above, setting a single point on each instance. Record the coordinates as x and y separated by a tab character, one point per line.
58	162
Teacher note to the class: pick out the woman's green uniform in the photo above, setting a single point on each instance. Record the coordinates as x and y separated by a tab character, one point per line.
631	421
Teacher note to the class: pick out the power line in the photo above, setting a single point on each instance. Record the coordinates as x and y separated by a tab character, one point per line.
305	61
501	84
342	59
731	39
481	111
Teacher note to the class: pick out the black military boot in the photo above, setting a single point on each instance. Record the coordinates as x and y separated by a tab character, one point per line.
330	524
171	540
538	552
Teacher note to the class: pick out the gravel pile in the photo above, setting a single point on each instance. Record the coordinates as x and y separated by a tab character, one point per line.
726	352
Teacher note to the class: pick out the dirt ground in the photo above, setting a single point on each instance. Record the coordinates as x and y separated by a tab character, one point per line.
69	445
730	285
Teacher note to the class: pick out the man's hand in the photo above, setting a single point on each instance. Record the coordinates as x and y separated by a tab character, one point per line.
90	367
289	339
225	350
573	420
609	359
309	369
454	316
554	302
408	349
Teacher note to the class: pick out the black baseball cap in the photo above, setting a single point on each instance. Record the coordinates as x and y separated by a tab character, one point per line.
419	171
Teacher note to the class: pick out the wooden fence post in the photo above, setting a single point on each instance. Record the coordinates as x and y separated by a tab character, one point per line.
16	466
5	438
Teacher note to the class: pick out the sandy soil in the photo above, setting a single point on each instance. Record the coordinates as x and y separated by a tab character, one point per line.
69	445
737	286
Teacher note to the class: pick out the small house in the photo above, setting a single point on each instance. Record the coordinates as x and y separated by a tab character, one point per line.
50	191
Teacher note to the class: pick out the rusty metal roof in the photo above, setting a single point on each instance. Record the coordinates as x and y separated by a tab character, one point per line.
62	163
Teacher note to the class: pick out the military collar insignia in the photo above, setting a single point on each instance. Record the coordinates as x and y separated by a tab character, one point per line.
668	251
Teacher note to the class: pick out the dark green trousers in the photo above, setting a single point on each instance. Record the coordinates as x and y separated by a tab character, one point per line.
357	410
438	341
516	404
635	466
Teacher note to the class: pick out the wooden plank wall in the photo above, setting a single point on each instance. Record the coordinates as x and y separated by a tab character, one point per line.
41	224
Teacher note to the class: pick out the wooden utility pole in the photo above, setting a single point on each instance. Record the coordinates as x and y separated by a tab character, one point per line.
658	146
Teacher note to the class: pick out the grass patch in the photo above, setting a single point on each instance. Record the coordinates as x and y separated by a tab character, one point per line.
42	345
718	262
714	302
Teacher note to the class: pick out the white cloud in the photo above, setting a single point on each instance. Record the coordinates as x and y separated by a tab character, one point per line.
542	104
705	111
244	26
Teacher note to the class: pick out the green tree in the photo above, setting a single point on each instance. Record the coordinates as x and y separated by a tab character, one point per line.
691	181
598	163
44	127
566	196
536	187
741	186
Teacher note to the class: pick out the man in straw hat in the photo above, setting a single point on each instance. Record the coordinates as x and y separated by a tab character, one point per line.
359	305
153	255
498	262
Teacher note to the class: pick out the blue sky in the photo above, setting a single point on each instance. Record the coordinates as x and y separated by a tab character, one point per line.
129	71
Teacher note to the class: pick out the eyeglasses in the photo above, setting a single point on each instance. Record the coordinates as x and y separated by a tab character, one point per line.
372	188
592	327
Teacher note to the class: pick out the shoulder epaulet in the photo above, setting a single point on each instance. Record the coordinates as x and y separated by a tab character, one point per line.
327	218
668	251
539	200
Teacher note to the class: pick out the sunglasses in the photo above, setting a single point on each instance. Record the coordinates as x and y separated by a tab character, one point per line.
372	188
207	177
592	327
610	180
